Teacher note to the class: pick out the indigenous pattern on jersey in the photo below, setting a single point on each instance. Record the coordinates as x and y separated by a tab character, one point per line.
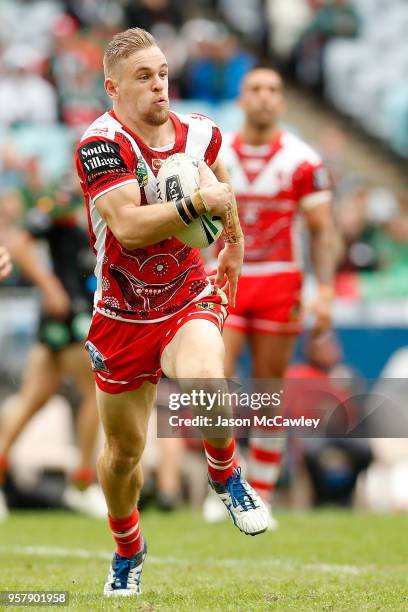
154	282
272	183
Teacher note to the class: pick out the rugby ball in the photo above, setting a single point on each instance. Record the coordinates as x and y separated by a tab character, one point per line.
179	177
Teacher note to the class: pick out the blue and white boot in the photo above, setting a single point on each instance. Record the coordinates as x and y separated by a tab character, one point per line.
125	574
243	503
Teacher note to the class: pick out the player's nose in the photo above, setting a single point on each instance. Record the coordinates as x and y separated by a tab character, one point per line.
157	83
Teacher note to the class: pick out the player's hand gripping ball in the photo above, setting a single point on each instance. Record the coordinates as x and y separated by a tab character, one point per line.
179	177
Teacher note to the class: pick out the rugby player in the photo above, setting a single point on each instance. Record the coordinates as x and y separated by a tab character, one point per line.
155	310
281	186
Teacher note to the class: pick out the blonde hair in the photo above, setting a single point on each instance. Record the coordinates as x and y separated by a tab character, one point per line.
125	44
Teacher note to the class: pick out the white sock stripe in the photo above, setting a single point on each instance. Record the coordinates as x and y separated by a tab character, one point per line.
219	461
125	534
264	472
134	539
220	467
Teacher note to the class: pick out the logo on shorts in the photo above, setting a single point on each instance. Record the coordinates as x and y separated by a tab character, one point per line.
205	305
141	172
97	359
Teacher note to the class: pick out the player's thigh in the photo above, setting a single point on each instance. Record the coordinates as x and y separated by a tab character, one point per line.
271	354
195	351
234	341
74	361
41	375
125	417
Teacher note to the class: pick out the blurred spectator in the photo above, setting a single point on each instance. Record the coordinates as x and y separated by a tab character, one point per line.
353	223
76	69
287	21
334	18
217	63
26	97
247	19
147	14
333	464
91	12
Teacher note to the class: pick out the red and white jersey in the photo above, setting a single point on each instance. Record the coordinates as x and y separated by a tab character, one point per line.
272	183
152	283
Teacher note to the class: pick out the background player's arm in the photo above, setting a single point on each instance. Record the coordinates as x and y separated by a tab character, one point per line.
5	263
323	255
231	257
137	226
55	299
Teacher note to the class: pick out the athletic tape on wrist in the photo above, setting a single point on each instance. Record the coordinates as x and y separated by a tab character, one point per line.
182	213
190	207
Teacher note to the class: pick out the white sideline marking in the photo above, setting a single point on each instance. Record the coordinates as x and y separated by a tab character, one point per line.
82	553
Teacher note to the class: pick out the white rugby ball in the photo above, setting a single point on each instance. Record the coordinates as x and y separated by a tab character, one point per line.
179	177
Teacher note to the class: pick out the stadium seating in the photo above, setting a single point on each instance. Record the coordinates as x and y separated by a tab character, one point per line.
366	77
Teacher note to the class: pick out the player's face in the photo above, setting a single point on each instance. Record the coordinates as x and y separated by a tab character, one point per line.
262	97
140	87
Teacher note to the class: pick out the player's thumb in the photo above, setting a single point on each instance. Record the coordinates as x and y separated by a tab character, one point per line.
219	277
206	176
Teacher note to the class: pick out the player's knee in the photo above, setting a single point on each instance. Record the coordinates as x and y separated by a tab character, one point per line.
201	368
123	459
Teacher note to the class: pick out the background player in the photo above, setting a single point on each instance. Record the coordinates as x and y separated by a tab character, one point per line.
64	324
153	304
275	177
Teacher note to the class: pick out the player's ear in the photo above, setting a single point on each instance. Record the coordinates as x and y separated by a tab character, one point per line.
111	87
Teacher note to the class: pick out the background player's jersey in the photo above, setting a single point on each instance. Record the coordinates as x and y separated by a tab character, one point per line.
272	183
68	246
154	282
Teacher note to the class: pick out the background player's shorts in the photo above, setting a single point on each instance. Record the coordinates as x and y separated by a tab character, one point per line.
57	334
268	304
125	355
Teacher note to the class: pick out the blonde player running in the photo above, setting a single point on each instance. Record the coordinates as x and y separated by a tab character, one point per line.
155	310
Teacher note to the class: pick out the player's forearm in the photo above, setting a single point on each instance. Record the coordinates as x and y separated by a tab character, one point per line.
232	227
323	255
141	226
23	252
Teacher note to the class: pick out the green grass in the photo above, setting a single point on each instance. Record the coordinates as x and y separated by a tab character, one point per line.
328	560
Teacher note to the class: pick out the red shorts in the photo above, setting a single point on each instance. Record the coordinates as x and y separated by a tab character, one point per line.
125	355
268	304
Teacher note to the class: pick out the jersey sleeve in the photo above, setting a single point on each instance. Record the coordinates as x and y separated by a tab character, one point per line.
312	184
103	165
214	147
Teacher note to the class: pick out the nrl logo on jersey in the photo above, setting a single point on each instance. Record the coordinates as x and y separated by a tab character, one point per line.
141	172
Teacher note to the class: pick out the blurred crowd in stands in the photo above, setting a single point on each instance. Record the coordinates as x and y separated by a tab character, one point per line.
350	54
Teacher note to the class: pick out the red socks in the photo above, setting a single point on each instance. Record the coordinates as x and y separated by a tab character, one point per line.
264	468
3	469
220	461
82	478
127	534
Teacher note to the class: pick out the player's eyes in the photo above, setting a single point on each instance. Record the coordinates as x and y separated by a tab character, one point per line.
143	77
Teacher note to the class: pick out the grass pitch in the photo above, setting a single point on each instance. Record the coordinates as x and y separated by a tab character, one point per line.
324	560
